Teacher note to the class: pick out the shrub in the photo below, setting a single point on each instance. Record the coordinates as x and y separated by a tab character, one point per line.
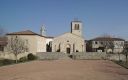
23	59
1	62
71	56
31	57
7	61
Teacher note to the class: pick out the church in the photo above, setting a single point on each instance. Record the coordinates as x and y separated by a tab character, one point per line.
69	42
72	41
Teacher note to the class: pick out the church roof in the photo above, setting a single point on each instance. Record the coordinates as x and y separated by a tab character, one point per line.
68	33
27	32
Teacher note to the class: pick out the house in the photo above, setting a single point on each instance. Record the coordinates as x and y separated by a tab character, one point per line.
3	43
36	42
105	44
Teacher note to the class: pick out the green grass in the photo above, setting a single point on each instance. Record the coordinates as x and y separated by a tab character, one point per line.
24	59
4	62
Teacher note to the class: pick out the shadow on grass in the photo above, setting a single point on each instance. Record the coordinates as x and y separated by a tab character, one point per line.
122	63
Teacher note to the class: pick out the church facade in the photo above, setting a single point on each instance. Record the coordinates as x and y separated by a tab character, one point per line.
70	42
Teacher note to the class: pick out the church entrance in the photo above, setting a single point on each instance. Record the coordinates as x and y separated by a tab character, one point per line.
68	49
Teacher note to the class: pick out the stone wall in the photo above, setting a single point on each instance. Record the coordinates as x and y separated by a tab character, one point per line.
50	55
80	55
89	55
60	55
68	40
77	55
116	57
5	55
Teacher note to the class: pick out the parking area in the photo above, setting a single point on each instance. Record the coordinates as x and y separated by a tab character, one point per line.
64	70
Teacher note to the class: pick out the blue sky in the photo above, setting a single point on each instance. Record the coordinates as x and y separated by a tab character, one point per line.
98	16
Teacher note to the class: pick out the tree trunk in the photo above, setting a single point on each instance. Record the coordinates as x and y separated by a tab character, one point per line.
119	56
126	58
16	61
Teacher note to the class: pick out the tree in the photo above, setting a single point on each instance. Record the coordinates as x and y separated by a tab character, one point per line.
16	45
125	52
108	43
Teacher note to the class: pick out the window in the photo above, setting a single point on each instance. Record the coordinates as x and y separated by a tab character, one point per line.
96	42
1	48
76	26
101	42
122	43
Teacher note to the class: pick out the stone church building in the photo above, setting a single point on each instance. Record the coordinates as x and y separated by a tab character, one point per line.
71	41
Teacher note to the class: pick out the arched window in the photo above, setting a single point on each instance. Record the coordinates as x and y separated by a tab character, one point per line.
58	50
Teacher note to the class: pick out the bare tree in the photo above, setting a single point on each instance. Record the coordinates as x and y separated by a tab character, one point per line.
125	52
16	45
108	42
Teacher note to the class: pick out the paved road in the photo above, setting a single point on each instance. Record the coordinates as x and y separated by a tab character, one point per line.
64	70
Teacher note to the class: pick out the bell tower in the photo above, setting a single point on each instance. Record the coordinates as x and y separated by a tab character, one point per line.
76	28
43	31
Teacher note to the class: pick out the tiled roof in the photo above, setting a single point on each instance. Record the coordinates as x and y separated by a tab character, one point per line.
107	39
27	32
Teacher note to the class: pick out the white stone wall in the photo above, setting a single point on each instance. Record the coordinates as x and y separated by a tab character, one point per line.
77	32
118	46
35	43
68	39
41	44
48	40
6	55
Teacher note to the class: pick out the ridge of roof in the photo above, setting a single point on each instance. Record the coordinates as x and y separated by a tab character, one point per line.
107	38
27	32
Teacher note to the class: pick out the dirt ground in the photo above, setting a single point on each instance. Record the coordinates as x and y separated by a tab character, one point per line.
64	70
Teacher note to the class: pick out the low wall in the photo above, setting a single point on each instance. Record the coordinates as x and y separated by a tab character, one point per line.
50	55
89	55
78	55
116	57
60	55
98	55
5	55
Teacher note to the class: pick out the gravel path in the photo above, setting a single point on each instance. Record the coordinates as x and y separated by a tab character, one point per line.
64	70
